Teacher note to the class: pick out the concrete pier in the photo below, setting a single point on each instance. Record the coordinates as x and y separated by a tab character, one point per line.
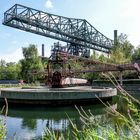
70	95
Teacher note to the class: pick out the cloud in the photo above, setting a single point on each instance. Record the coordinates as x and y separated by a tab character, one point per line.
14	56
49	4
130	15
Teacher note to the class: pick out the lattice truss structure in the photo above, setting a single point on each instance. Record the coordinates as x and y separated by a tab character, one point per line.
79	33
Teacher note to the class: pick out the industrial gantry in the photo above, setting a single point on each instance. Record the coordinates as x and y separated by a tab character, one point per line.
79	34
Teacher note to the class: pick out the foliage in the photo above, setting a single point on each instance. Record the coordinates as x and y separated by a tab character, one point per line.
93	129
124	126
45	60
94	55
127	47
136	54
91	76
3	129
117	56
122	52
31	64
9	85
9	71
103	58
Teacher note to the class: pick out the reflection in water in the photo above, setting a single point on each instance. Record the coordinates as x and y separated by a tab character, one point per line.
57	125
27	123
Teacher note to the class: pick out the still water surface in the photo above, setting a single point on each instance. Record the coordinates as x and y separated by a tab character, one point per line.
28	123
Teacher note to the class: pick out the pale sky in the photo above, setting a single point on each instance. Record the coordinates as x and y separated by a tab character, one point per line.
104	15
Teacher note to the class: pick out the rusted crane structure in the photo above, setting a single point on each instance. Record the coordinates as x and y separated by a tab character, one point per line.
79	34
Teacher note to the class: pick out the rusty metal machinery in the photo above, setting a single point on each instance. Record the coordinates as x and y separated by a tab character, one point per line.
57	66
61	63
79	35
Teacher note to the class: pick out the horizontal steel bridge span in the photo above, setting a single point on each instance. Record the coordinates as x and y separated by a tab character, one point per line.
75	31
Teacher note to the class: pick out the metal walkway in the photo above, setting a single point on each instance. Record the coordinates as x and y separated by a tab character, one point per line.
78	32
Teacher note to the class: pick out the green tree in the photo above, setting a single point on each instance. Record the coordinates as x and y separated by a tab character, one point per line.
9	71
94	55
31	64
2	69
117	56
103	58
136	54
2	63
127	47
122	52
12	71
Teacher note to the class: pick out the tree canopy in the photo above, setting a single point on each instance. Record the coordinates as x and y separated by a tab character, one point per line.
31	63
9	71
136	54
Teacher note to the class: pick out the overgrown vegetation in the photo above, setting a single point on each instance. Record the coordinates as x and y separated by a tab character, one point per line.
119	125
125	121
31	64
9	70
3	128
123	52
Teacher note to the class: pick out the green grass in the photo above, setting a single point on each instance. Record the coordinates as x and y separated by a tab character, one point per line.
31	85
3	129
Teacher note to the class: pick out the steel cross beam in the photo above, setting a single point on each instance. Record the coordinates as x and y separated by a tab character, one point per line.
71	30
104	67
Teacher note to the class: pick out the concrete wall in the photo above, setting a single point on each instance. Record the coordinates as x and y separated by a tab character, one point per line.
55	95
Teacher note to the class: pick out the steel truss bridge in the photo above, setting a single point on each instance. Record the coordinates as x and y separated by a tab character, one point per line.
80	35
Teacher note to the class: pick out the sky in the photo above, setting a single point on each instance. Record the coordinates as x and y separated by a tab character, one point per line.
105	15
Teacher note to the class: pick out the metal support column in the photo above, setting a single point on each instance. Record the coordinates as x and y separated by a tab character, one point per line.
121	78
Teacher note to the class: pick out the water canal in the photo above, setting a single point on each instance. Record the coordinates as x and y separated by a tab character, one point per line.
28	123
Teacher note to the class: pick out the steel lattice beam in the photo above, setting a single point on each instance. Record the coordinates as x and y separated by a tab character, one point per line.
71	30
